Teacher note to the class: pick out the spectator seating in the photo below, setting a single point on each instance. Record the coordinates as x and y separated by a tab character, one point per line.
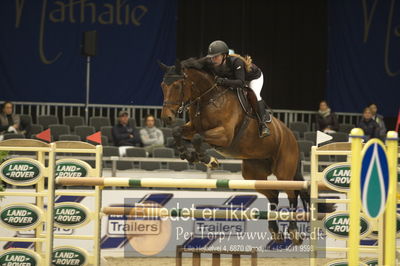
114	151
305	147
73	121
57	130
346	128
136	152
311	136
107	132
13	136
46	120
98	122
167	132
300	127
84	131
35	129
296	134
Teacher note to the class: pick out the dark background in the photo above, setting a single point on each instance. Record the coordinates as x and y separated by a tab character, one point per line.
286	39
309	50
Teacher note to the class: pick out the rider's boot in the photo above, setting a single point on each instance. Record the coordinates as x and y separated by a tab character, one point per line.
263	118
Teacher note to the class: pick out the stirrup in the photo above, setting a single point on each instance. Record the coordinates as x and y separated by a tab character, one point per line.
263	131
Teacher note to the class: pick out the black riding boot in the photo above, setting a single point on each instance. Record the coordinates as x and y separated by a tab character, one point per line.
263	118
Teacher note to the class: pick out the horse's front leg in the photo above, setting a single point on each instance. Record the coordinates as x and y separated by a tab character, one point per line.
217	136
178	133
209	161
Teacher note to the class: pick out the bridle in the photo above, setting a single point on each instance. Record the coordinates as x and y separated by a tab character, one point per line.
184	106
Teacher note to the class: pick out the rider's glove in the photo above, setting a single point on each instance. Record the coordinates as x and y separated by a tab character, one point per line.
221	81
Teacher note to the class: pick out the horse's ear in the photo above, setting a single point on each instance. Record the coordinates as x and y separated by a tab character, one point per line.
164	67
178	68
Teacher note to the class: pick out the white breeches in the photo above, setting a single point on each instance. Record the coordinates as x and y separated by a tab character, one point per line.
256	85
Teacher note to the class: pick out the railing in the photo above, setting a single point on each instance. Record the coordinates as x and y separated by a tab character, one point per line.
35	109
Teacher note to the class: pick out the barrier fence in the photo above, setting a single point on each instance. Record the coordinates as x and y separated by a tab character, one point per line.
36	109
51	208
335	177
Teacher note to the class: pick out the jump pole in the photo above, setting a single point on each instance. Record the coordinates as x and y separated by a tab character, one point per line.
184	183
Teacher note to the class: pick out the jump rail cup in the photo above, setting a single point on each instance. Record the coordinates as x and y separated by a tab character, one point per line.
184	183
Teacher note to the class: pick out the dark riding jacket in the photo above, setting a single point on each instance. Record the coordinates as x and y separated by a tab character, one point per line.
236	73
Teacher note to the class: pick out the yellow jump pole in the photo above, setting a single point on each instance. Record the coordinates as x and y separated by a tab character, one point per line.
355	197
391	204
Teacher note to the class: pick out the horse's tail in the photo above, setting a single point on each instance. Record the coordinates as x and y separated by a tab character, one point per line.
305	196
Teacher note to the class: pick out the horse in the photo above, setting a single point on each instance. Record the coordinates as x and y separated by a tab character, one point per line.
217	117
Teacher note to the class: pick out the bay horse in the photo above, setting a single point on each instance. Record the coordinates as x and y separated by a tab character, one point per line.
216	116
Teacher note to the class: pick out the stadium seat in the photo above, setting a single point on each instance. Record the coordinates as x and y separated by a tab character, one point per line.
311	136
340	137
98	122
107	131
46	120
57	130
73	121
346	128
305	147
84	131
300	127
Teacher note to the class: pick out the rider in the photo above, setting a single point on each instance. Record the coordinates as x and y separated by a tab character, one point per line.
238	70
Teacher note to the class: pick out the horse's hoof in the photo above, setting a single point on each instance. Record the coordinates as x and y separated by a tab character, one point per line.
278	237
213	163
295	237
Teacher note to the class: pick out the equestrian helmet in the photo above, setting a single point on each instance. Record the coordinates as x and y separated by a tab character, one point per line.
217	48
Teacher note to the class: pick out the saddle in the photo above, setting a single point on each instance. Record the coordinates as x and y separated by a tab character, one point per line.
248	101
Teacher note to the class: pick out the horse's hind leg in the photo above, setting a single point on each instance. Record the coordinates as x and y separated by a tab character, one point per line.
292	229
273	198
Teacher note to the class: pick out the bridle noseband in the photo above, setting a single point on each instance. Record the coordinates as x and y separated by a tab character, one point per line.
184	106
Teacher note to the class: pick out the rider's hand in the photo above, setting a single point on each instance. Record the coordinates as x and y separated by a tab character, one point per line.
221	81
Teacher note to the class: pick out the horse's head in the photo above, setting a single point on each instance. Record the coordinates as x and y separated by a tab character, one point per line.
173	90
179	86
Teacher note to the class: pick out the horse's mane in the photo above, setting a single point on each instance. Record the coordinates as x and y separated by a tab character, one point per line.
202	64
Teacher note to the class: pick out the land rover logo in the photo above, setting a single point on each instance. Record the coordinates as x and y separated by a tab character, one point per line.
19	257
337	176
67	255
70	215
20	216
21	171
72	168
337	225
